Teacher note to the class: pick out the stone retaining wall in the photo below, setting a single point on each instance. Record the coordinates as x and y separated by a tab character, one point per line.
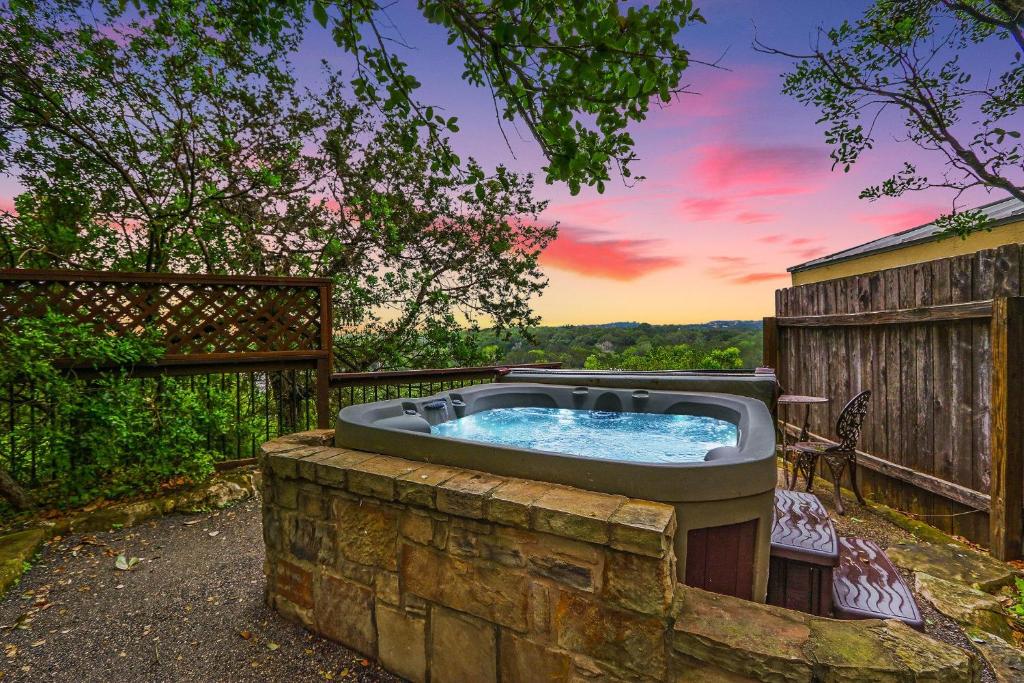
446	574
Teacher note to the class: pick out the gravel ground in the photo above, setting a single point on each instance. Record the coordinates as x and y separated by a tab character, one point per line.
191	609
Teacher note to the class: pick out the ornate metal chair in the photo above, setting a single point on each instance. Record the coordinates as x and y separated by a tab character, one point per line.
839	457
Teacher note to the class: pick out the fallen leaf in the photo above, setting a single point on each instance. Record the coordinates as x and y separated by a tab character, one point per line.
11	650
272	646
190	522
39	643
245	634
124	564
214	533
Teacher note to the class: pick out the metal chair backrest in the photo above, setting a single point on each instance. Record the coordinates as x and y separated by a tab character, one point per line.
850	420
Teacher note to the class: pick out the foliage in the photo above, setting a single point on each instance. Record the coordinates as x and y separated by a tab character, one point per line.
575	73
1016	607
915	57
106	435
166	141
677	357
632	346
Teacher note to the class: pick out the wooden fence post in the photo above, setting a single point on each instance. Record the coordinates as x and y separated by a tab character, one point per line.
324	419
1007	411
770	344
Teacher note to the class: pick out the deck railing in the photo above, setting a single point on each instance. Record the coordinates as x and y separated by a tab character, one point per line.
352	388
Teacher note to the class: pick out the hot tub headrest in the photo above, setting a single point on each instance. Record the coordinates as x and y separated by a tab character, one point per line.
721	453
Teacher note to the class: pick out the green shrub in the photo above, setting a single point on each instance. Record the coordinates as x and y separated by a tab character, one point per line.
103	435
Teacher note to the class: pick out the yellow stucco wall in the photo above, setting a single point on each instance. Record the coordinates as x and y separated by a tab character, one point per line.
1008	233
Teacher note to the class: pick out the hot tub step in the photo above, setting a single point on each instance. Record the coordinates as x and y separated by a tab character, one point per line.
866	585
804	549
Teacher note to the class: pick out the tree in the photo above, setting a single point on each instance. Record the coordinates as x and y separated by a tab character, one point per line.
574	73
915	56
162	143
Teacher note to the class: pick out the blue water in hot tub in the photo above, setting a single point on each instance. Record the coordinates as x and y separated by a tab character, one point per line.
634	437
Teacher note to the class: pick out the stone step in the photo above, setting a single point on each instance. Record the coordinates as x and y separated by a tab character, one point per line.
866	585
804	549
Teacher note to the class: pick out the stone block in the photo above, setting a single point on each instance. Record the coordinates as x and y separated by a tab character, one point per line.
577	514
417	527
538	615
303	541
952	563
420	487
376	476
965	605
402	643
313	437
510	502
307	461
293	583
759	641
286	493
344	613
387	587
682	669
489	591
332	469
640	526
462	648
311	501
567	572
624	640
273	534
465	494
367	532
523	661
638	583
285	464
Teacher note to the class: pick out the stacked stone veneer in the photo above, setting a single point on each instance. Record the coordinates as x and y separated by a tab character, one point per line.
446	574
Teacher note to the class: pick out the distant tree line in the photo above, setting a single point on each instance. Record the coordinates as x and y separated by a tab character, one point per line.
632	346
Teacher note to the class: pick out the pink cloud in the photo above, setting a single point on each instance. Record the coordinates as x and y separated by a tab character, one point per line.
737	270
7	205
753	171
888	222
707	208
587	253
755	217
598	211
722	95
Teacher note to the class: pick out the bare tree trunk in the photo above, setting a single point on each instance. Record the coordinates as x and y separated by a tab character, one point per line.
13	493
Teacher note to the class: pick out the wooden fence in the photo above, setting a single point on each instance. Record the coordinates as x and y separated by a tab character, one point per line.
940	345
208	323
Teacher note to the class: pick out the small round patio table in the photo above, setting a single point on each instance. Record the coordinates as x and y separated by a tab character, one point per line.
785	401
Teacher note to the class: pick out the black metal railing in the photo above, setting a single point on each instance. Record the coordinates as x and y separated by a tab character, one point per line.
352	388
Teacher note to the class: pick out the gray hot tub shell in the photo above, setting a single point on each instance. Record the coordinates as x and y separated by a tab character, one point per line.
736	486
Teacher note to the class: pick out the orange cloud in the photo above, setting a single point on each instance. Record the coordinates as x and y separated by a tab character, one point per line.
587	253
735	269
759	277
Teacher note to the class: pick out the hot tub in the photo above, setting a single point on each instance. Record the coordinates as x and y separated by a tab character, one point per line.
720	479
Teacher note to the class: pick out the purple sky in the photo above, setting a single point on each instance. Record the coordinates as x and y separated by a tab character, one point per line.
739	184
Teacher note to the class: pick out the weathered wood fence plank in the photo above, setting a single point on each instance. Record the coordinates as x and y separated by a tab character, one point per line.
920	337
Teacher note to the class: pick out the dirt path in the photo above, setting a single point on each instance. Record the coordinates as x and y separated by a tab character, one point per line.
191	609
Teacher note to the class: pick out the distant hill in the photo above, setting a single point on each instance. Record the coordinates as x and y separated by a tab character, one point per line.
573	344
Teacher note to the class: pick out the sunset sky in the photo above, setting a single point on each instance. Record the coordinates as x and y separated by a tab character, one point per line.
739	182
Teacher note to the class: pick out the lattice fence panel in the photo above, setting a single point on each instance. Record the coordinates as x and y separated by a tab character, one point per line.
194	317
